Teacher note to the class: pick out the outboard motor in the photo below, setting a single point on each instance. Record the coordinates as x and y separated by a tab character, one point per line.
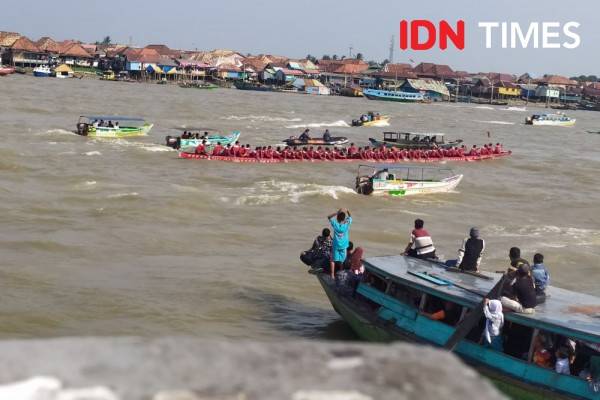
168	141
82	129
364	185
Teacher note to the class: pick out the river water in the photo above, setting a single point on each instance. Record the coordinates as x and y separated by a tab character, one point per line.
123	238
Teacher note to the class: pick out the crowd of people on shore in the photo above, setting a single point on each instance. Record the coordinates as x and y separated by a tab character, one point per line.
325	153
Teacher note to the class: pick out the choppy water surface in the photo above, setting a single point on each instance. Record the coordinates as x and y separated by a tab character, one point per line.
123	238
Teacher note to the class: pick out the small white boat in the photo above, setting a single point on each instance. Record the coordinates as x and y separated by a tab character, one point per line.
42	71
394	180
558	119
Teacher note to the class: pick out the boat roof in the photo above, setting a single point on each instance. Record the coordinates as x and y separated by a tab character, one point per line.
417	133
572	314
396	166
112	118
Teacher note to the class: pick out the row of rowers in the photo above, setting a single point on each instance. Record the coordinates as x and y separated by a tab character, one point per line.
325	153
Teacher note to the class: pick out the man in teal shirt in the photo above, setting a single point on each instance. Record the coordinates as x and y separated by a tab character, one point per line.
341	237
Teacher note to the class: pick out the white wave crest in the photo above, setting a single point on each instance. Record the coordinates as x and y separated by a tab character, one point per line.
519	109
92	153
497	122
123	195
484	108
339	124
271	192
263	118
56	132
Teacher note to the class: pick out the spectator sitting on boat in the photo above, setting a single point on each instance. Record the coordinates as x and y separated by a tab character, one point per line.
326	135
364	118
95	123
421	244
541	277
541	355
494	321
523	299
340	222
117	124
469	255
305	136
349	251
319	254
101	123
110	124
563	362
357	269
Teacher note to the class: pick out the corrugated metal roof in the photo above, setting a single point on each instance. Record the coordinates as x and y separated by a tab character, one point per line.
428	85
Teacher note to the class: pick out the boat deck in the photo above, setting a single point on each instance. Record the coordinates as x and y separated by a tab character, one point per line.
570	313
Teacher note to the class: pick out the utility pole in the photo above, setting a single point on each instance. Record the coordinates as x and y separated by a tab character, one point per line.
350	51
391	55
528	88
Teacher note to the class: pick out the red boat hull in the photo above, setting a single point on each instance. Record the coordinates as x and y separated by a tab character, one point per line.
387	161
6	70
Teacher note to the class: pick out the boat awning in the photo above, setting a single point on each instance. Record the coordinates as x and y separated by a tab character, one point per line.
112	118
153	68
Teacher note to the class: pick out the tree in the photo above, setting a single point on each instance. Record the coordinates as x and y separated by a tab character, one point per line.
326	57
334	57
105	41
386	61
359	56
373	63
311	58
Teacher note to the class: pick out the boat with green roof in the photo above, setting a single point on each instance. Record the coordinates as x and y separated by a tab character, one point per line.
112	126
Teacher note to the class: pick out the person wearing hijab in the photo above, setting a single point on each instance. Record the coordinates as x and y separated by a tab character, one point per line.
494	320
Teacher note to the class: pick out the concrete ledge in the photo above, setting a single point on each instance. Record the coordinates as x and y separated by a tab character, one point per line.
179	368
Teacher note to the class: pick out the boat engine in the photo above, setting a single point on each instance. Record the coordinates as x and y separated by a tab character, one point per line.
364	185
82	129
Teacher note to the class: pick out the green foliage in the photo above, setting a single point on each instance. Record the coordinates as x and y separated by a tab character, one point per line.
326	57
359	56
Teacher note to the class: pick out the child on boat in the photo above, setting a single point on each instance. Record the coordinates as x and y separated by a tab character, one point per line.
340	222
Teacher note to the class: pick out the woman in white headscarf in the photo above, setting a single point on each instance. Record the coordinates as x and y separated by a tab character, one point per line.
492	335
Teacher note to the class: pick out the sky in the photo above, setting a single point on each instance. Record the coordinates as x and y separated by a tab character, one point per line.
300	27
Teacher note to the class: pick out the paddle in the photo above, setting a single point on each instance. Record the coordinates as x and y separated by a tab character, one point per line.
473	317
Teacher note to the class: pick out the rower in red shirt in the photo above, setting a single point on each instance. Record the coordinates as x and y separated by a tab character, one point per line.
352	150
217	150
201	148
242	151
498	149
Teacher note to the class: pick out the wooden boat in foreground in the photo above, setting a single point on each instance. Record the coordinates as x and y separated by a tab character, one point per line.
95	126
343	160
399	181
412	140
398	293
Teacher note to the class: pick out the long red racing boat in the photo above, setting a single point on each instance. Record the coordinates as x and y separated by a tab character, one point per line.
342	160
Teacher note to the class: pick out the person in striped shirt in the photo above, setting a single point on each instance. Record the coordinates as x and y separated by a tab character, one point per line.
421	244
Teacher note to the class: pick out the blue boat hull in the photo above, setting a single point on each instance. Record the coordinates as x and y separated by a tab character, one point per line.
386	95
41	74
394	320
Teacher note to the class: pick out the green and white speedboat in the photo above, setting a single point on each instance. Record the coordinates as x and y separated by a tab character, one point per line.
112	126
400	181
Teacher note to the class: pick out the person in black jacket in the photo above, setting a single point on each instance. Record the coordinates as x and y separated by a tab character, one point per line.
523	299
469	255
